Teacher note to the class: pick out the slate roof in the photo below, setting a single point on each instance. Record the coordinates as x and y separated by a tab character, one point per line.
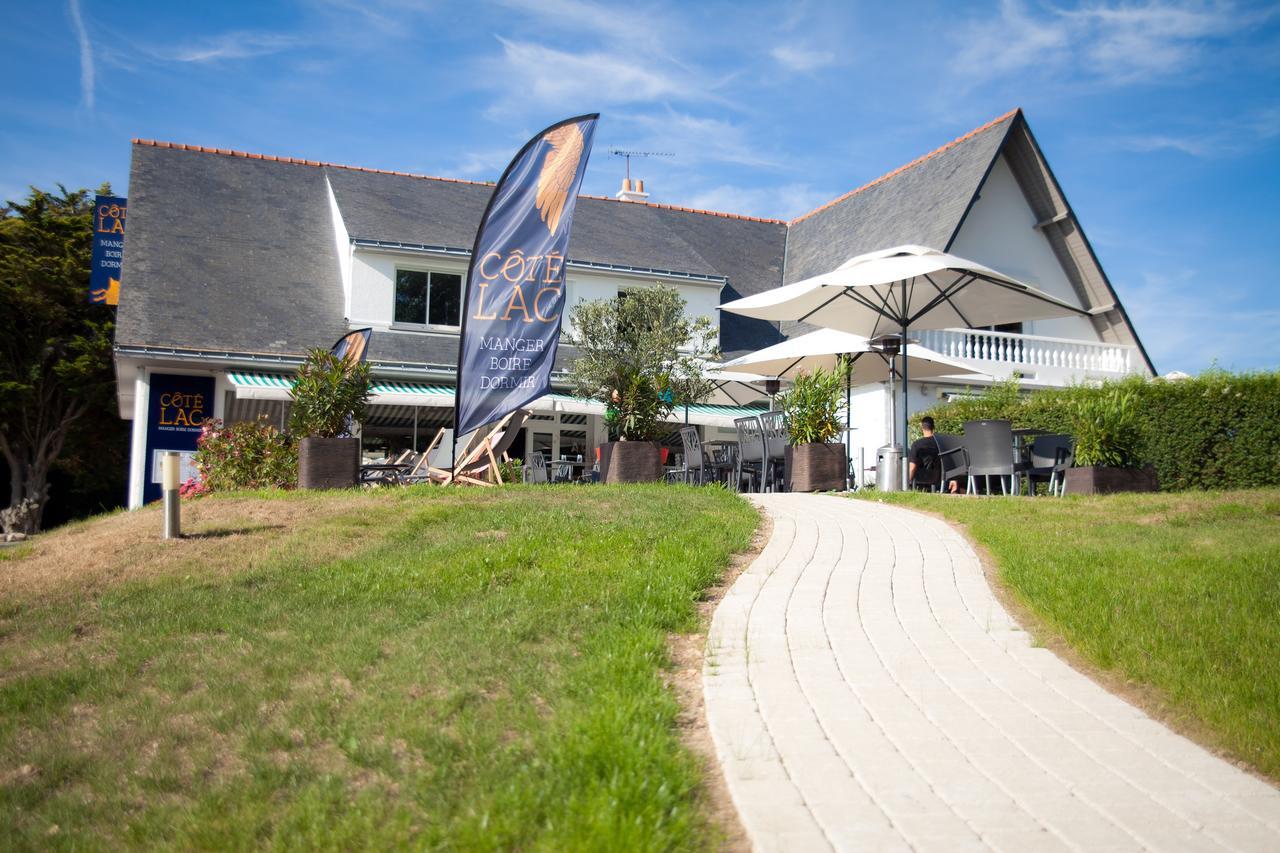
232	252
235	252
922	202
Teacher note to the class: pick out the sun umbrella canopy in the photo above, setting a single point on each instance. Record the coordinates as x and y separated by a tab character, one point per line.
904	287
824	347
734	388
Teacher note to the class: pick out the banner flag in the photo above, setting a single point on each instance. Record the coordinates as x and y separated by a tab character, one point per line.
108	249
353	347
515	282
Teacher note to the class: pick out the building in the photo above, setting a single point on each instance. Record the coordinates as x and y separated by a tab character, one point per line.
236	264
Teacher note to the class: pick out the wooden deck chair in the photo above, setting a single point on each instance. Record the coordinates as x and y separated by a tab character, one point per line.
479	465
435	458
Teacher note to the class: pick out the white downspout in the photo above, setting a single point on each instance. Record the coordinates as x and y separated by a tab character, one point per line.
138	445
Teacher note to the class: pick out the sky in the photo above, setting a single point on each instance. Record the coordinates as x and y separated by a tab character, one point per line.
1161	120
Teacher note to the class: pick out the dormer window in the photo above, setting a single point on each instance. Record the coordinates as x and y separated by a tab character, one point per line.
428	297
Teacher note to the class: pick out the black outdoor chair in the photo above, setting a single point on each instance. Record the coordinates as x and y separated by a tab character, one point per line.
752	461
928	471
953	459
989	447
775	442
1051	456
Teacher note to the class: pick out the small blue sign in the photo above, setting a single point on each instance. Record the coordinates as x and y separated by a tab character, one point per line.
108	249
176	412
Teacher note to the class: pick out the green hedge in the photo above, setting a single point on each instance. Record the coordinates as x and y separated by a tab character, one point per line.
1217	431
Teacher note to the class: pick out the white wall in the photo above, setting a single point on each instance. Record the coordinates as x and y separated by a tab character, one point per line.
343	245
373	286
1000	232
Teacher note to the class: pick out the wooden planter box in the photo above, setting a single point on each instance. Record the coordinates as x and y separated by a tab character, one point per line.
328	463
1102	480
815	468
630	462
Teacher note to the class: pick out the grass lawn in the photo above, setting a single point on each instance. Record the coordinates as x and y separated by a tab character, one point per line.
426	667
1178	592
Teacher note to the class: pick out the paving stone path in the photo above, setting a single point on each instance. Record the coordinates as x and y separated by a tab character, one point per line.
865	690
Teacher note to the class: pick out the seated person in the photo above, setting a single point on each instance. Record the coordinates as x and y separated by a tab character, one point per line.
924	468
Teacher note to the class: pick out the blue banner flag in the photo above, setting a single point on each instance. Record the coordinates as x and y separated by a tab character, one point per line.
108	249
515	283
353	347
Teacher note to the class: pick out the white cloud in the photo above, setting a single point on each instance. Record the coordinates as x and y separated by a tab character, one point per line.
1239	135
548	75
86	55
800	58
778	202
1113	42
693	139
1187	320
235	45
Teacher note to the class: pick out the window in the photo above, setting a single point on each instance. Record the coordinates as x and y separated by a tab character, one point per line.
433	298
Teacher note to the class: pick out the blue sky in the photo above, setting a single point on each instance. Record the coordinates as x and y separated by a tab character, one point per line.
1160	119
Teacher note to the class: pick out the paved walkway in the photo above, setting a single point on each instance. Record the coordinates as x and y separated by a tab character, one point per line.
865	690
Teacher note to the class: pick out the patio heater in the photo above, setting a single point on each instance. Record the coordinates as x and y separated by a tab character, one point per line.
891	475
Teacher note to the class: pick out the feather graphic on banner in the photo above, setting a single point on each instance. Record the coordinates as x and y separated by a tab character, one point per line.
558	171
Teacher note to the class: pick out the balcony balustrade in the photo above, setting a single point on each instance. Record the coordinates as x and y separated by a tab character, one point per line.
1002	353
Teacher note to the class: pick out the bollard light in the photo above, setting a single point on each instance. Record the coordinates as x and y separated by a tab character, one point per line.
170	474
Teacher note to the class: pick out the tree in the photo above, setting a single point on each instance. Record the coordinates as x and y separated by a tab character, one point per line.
55	355
641	356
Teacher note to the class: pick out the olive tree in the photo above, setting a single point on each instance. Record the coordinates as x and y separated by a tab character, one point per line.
641	356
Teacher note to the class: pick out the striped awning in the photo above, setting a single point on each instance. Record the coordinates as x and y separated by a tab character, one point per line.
274	386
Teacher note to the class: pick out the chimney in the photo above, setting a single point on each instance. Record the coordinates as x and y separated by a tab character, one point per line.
632	190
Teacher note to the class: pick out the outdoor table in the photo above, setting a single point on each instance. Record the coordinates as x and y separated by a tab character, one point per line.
382	473
1022	451
724	465
576	468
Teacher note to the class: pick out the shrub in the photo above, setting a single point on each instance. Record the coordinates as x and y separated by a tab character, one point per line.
329	395
246	455
811	408
1105	427
1216	431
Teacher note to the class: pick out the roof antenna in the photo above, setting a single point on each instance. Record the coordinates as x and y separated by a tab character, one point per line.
629	191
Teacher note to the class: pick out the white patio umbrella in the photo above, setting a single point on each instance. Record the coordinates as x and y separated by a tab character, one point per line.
825	348
906	287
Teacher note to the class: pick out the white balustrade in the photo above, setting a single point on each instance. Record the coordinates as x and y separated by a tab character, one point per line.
1013	350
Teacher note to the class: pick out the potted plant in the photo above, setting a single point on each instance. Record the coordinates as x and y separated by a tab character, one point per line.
815	459
1105	427
329	396
640	356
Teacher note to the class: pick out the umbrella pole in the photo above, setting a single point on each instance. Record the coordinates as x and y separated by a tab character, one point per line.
905	485
848	422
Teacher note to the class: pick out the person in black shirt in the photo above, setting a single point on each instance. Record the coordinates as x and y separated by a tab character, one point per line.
924	469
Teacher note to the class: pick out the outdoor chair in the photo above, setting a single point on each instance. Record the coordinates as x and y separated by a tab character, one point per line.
752	461
953	459
695	461
535	470
928	471
775	441
1051	456
438	456
478	453
989	447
